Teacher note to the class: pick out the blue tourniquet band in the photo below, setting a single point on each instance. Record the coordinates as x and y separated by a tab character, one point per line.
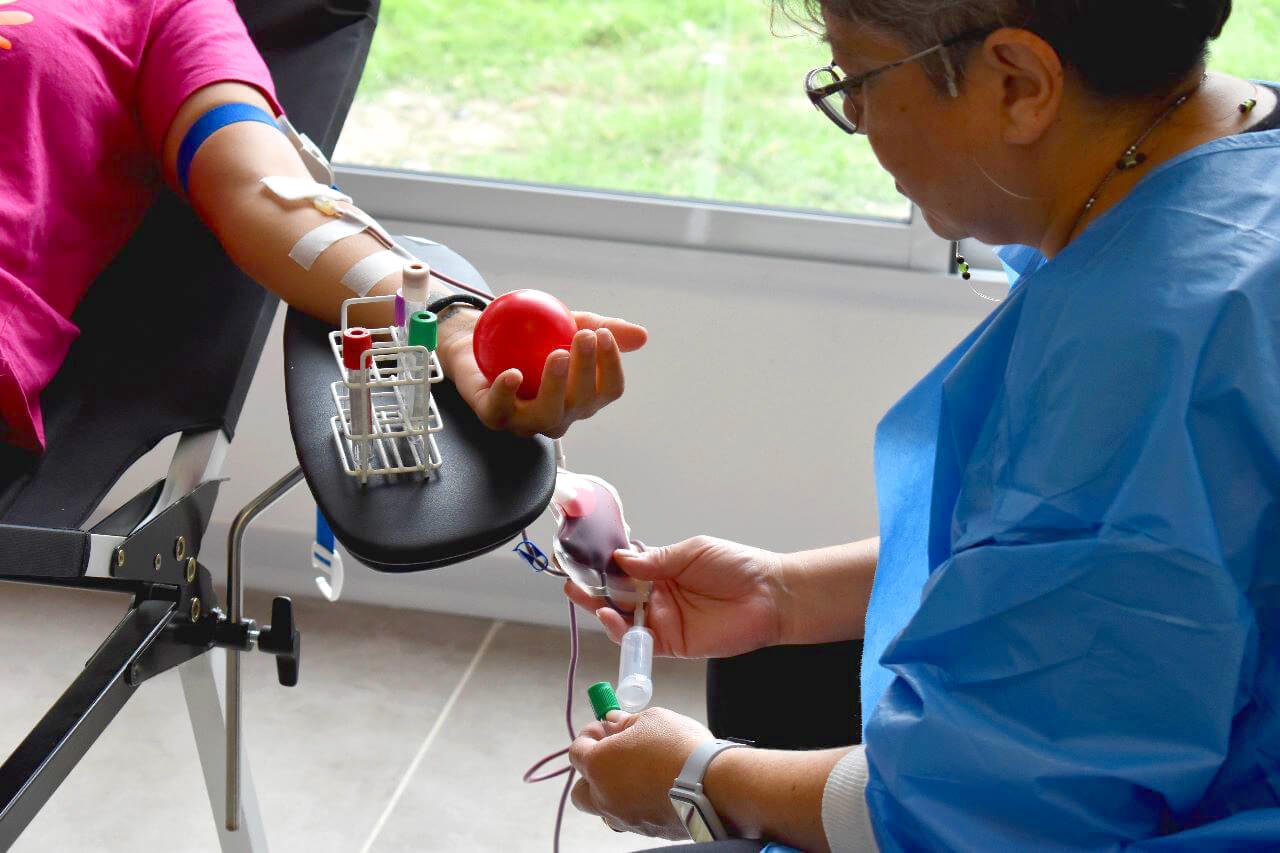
209	124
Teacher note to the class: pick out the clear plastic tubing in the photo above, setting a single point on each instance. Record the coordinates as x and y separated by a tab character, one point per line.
635	667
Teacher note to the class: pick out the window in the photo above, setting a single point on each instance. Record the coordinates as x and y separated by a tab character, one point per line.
694	99
1247	47
678	122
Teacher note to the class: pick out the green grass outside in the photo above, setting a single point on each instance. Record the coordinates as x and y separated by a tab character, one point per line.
690	98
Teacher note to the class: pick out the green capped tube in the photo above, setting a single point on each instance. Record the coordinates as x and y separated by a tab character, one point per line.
602	699
424	330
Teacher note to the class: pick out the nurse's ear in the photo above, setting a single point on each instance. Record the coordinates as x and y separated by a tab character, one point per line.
1026	75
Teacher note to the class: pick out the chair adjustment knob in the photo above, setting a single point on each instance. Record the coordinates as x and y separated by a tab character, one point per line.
282	639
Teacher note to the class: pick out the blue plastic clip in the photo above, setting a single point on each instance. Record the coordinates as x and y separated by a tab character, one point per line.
326	560
532	554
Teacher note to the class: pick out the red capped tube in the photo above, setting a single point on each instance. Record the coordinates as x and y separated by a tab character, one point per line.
355	342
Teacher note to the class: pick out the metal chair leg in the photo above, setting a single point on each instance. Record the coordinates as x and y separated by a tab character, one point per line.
235	605
204	691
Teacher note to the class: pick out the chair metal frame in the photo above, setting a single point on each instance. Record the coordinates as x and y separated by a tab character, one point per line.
149	547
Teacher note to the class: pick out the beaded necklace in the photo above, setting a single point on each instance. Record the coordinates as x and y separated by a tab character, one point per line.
1132	158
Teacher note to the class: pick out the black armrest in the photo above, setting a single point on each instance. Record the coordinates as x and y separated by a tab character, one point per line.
491	486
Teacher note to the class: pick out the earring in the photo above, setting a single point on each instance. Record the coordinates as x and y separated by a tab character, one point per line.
963	267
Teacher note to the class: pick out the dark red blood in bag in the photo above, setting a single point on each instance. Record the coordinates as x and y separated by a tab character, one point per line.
590	539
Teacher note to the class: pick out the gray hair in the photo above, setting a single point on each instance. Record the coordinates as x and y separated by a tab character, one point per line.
1118	48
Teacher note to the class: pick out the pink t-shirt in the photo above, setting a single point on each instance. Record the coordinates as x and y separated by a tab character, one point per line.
88	89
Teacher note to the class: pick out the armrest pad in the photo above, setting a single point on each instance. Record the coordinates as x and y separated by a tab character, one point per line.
491	486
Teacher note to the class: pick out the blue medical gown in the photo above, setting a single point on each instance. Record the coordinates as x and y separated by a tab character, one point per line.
1073	640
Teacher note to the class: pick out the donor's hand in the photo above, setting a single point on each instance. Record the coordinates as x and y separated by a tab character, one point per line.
575	384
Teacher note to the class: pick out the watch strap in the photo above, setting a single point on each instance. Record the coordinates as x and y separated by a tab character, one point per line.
695	768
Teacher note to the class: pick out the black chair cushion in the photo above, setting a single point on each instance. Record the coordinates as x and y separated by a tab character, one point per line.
491	486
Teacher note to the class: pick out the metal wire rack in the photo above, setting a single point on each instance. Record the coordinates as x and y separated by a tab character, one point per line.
398	437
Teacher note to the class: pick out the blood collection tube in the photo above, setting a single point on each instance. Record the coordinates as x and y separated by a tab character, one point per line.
603	699
401	317
412	298
413	288
356	341
423	332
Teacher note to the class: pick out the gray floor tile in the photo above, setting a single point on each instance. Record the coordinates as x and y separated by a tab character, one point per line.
468	794
140	784
326	755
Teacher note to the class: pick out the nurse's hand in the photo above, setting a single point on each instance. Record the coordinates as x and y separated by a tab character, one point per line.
628	764
711	598
575	384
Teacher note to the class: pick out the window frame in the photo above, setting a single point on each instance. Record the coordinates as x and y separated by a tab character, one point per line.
646	219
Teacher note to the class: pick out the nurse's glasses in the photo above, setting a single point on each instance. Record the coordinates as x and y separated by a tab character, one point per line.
823	85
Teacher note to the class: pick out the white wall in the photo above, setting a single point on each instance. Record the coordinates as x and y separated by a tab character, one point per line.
750	415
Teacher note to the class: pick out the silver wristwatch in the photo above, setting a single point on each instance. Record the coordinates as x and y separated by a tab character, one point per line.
691	804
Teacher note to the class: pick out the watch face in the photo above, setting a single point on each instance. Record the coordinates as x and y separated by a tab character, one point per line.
693	820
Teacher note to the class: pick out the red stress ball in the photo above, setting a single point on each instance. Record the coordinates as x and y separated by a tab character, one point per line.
520	329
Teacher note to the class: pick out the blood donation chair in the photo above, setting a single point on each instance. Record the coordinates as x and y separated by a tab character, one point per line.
171	335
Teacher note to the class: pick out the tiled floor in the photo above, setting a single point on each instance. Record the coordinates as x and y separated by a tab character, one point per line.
356	758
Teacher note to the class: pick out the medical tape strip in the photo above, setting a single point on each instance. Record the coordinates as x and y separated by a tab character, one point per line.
366	273
382	234
289	188
313	244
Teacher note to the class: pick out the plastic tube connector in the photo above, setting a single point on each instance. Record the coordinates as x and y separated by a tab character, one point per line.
635	670
326	205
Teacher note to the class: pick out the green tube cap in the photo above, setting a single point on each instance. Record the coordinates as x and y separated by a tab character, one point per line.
423	331
602	699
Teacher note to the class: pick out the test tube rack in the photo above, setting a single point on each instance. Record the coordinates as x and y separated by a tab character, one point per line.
395	442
